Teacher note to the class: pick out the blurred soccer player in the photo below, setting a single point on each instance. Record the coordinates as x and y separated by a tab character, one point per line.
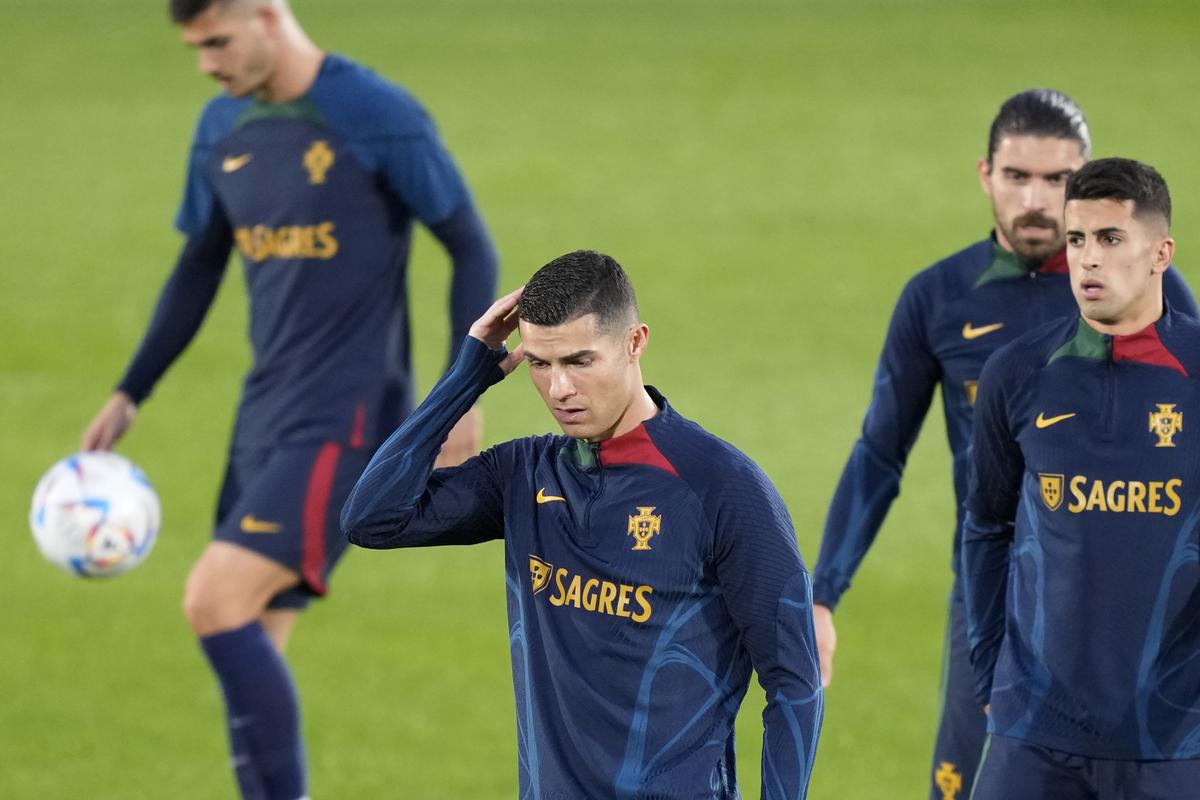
948	320
1079	561
649	565
315	168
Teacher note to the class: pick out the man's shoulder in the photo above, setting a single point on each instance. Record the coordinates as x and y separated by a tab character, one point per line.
364	105
1033	350
710	464
218	117
953	275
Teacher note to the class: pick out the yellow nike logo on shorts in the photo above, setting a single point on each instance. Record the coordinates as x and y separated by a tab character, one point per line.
252	524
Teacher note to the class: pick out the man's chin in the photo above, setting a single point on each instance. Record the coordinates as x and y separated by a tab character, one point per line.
1038	251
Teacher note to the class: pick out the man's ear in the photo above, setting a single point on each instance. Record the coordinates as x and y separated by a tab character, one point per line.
639	337
1164	254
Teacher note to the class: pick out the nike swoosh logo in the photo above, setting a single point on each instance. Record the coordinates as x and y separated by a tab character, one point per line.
252	524
234	163
982	330
1043	421
542	497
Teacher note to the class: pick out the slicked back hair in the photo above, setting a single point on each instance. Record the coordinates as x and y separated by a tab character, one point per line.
1040	112
1123	179
575	285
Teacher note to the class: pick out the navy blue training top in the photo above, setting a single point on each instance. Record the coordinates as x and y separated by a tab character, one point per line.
1081	571
318	195
948	320
646	576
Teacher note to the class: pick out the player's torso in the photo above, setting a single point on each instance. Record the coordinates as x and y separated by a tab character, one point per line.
323	246
1106	589
621	626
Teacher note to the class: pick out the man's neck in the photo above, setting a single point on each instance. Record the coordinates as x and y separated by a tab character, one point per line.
1144	317
299	62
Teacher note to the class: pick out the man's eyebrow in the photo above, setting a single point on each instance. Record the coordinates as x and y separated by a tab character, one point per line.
578	354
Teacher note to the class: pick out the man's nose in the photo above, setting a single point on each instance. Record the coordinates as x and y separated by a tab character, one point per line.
561	386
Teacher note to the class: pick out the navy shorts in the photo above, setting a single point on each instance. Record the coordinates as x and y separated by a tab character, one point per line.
1013	769
962	728
284	503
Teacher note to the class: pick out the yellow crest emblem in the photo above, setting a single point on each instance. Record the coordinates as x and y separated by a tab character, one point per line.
318	159
539	573
948	780
972	389
1165	423
643	526
1052	490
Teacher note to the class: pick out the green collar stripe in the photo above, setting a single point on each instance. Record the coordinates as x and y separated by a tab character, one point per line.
581	453
1004	265
302	108
1086	343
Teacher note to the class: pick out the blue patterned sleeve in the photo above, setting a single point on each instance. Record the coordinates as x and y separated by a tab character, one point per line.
997	466
400	500
905	378
768	592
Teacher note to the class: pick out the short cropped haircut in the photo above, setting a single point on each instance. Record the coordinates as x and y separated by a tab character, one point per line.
1040	112
1123	179
184	11
575	285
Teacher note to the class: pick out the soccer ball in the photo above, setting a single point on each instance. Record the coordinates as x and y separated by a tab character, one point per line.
94	515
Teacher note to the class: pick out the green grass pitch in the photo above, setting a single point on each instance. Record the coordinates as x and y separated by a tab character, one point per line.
770	173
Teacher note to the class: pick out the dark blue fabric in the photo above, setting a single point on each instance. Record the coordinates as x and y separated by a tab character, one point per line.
1080	568
1017	770
927	346
634	695
319	196
262	712
963	725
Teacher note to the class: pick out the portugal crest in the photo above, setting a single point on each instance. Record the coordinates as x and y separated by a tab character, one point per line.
318	159
1165	423
539	573
1052	490
949	780
643	526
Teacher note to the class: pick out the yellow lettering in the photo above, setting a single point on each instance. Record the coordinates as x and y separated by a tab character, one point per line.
1077	492
589	594
1116	497
557	598
327	241
573	594
642	596
623	603
1172	488
607	592
1155	490
1096	498
1137	496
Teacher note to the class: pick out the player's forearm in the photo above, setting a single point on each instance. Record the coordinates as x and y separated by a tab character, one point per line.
791	677
182	306
384	504
984	573
475	270
868	485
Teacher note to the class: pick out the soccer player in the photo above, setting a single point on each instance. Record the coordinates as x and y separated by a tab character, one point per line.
1080	566
649	564
948	320
315	169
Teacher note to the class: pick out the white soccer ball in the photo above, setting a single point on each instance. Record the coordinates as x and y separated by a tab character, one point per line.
95	515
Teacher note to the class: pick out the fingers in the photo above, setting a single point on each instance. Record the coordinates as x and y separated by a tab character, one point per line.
513	360
499	320
826	641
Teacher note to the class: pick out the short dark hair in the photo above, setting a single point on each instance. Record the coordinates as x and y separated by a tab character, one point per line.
184	11
575	285
1040	112
1123	179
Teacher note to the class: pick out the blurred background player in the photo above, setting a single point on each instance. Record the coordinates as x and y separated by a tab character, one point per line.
1083	604
649	564
314	168
948	320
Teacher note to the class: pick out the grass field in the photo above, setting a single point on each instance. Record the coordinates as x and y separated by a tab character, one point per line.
770	173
